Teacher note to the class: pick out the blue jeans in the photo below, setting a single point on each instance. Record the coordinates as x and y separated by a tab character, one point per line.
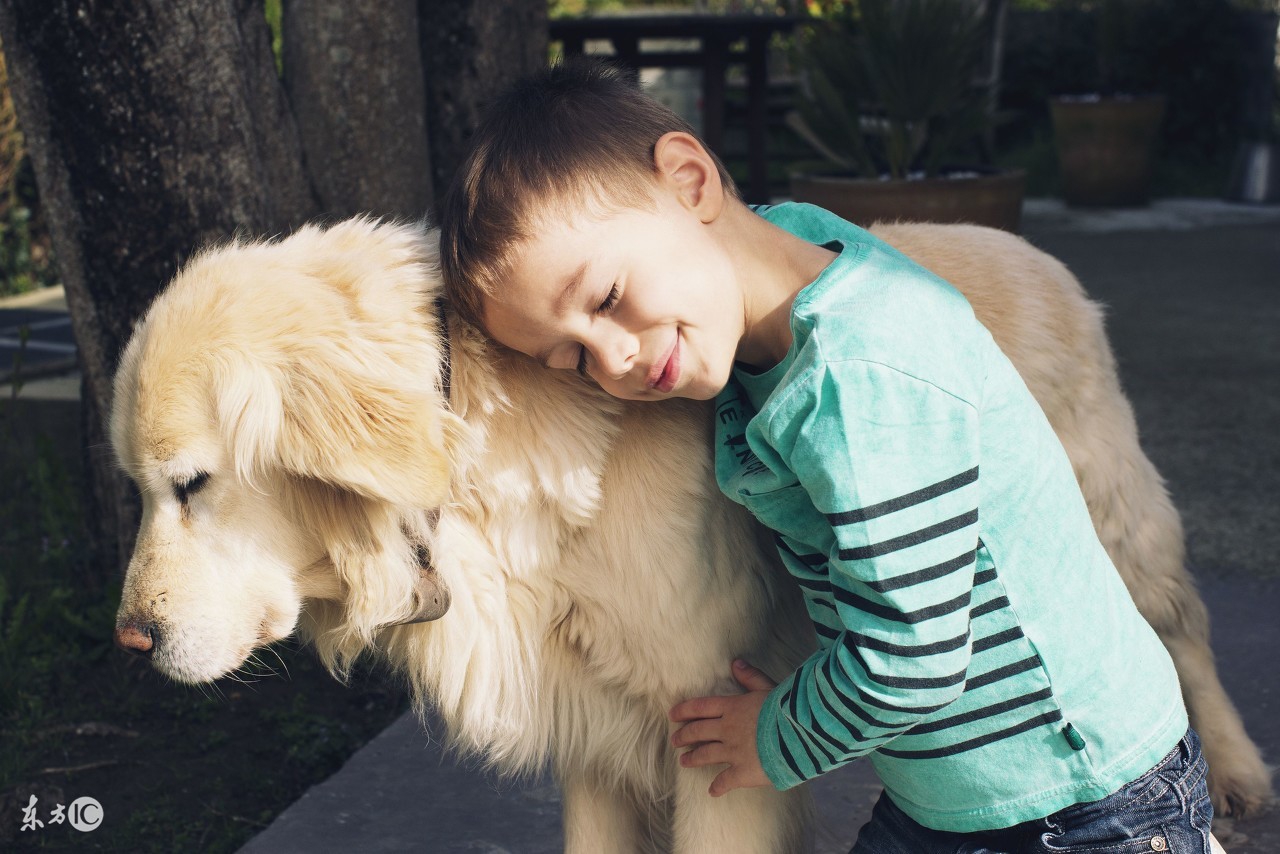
1166	809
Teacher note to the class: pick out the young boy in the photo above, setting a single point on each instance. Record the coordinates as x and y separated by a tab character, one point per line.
976	642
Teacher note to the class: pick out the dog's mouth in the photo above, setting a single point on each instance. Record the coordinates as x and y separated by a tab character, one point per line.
431	597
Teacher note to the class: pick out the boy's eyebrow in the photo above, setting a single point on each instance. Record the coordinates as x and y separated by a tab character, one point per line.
571	287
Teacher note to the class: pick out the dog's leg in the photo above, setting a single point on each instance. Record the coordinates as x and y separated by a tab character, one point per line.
745	821
599	819
1141	531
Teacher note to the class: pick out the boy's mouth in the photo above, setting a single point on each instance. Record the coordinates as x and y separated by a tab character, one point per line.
667	370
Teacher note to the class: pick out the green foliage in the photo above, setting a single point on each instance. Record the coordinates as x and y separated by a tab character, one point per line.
314	739
888	86
26	260
578	8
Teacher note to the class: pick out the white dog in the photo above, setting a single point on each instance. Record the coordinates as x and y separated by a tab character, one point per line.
318	449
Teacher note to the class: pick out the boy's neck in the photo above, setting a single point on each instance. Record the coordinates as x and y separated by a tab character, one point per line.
772	266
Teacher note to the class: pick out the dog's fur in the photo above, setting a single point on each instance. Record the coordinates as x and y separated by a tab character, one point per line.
596	575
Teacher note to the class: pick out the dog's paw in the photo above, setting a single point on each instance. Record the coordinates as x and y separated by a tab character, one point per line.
1240	786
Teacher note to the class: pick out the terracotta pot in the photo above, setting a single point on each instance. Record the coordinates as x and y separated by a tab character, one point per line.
992	199
1104	148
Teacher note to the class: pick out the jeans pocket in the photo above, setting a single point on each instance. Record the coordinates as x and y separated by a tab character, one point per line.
1155	840
1166	809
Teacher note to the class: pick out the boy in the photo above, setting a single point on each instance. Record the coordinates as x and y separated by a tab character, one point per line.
976	642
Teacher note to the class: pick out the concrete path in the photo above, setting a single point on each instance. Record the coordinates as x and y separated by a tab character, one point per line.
41	317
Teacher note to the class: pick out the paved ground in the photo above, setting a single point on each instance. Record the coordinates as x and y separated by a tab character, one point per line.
42	317
1193	290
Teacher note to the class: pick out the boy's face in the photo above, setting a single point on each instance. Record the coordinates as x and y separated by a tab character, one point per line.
644	301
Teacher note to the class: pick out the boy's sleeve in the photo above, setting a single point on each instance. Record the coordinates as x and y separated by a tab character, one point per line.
891	463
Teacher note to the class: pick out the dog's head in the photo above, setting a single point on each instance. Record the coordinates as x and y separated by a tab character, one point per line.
279	408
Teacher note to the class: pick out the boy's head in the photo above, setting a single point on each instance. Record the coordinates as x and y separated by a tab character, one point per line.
575	177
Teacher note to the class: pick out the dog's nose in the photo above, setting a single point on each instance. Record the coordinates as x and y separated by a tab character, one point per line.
137	638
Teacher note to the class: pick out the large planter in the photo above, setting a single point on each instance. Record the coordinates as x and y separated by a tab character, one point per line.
1105	148
993	199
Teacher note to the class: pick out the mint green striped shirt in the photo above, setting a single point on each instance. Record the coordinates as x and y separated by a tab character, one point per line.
976	643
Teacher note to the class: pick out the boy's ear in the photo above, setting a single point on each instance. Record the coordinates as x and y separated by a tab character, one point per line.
686	167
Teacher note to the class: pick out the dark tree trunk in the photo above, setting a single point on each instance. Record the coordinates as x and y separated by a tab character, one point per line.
354	76
471	49
154	126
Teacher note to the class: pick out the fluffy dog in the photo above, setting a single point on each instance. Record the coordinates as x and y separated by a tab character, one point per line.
318	449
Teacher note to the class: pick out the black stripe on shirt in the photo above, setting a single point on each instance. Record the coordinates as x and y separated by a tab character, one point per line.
786	754
904	681
930	573
860	712
819	584
902	502
829	739
987	607
980	741
1000	673
932	532
808	560
904	651
803	736
869	700
999	638
799	734
853	600
983	713
825	630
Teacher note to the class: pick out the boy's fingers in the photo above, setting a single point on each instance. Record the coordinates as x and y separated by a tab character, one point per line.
699	707
752	678
724	783
713	753
696	732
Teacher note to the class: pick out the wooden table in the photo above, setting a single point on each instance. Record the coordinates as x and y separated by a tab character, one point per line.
716	35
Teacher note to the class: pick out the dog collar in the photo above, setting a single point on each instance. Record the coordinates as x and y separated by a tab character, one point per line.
431	597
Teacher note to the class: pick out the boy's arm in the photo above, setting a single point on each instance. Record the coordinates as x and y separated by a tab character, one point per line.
891	461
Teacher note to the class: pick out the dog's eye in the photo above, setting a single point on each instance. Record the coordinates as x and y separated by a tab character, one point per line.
191	487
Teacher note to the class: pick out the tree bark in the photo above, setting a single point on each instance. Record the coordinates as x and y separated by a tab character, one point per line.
154	126
355	81
472	49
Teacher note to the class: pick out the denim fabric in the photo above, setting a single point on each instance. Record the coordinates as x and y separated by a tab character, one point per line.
1166	809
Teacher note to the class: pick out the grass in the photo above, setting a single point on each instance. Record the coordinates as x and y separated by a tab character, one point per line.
175	767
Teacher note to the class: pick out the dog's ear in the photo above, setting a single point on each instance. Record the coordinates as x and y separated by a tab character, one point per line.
366	427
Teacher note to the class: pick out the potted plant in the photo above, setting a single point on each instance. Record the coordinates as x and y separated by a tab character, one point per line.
1105	139
891	94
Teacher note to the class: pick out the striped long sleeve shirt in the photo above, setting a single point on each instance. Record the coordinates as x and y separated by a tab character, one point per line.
975	640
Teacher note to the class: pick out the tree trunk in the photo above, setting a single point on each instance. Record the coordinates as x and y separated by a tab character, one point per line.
354	76
154	126
471	49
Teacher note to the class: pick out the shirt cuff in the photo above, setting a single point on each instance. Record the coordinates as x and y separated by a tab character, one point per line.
767	737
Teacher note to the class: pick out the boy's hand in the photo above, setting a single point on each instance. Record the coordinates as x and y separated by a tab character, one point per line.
722	731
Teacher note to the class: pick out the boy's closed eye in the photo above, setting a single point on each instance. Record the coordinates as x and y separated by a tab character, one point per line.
610	301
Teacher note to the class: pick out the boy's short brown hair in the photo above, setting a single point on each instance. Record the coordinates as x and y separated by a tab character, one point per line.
580	132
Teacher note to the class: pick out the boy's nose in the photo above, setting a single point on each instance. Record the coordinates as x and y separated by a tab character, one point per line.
616	356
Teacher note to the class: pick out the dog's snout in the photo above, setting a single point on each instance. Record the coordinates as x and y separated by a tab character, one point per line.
137	638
